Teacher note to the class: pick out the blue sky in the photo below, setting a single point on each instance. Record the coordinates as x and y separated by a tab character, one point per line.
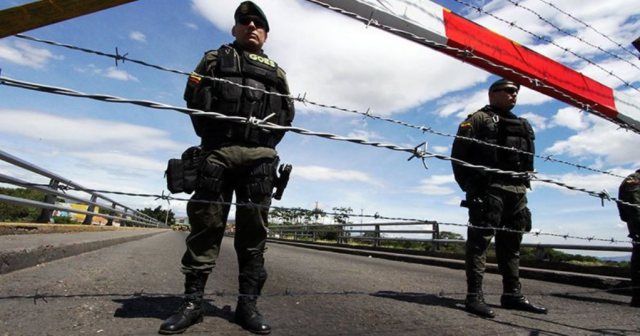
335	61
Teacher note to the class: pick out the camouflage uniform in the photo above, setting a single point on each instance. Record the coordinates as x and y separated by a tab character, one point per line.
494	200
629	191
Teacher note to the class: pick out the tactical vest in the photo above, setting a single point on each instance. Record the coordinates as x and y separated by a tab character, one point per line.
511	132
246	69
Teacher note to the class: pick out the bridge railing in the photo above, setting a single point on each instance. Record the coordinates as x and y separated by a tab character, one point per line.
367	233
115	211
376	233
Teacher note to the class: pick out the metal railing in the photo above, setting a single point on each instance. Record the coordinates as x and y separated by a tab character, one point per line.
343	233
115	211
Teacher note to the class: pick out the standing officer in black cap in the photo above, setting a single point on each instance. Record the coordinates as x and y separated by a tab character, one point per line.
239	158
629	192
495	200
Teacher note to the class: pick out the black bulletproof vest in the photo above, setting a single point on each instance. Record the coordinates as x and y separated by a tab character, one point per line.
512	132
246	69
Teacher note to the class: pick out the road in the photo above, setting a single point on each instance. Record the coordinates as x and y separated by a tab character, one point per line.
129	288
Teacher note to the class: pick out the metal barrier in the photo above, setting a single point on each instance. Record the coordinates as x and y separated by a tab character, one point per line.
116	211
342	233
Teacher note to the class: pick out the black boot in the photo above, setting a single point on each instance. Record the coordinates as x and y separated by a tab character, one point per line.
512	298
248	316
474	303
517	301
251	279
191	311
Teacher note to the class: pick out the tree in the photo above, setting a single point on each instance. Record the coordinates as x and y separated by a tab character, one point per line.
341	214
160	214
15	213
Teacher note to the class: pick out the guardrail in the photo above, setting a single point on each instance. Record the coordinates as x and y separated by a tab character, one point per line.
117	211
342	233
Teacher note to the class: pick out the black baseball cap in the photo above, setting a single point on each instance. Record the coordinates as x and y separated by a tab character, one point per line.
248	8
502	82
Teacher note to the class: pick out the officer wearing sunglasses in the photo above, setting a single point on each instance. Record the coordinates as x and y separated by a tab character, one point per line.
233	158
495	201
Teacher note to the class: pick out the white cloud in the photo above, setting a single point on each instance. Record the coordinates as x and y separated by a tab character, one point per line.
591	182
571	118
436	185
365	135
138	36
538	122
441	149
115	73
601	139
191	25
318	173
25	54
74	133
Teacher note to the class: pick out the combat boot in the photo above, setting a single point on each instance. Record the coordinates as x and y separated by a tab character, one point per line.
474	304
191	311
518	301
248	316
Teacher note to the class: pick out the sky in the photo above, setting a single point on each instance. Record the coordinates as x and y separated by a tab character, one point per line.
337	61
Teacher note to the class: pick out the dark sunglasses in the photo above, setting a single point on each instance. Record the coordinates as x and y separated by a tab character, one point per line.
258	22
508	90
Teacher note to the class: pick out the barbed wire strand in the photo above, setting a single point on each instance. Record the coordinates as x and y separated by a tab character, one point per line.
301	293
568	33
469	54
479	9
416	152
377	216
303	100
619	45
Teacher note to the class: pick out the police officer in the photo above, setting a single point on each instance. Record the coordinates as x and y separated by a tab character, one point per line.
241	159
495	200
629	192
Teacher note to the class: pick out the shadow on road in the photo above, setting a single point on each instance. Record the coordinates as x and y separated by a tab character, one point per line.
163	307
583	298
421	298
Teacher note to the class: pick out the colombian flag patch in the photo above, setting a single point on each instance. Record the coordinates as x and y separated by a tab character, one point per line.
194	78
465	125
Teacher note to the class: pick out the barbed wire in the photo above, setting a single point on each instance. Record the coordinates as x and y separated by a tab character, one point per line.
619	45
479	9
469	54
304	100
301	293
376	216
568	33
416	152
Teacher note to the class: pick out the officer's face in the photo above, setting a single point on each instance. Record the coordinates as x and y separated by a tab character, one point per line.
504	97
250	33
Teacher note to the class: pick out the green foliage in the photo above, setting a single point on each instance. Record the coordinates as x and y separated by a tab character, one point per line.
293	216
342	214
160	214
16	213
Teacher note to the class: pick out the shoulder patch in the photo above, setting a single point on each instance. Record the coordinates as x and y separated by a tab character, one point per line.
194	79
465	124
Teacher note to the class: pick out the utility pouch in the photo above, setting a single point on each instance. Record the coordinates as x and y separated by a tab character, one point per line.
174	175
191	162
182	174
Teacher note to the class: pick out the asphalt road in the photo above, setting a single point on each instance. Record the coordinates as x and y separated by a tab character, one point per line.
128	289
